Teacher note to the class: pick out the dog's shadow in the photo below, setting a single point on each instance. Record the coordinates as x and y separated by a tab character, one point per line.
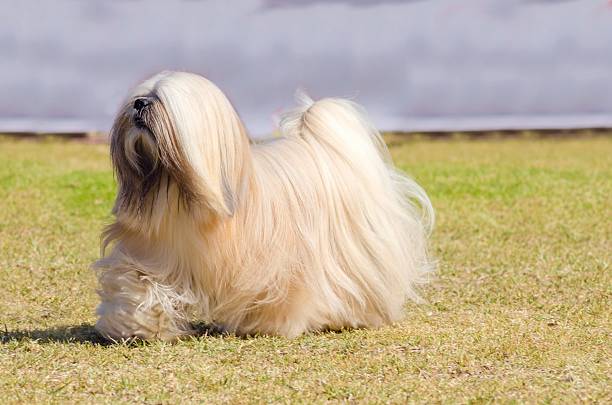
84	334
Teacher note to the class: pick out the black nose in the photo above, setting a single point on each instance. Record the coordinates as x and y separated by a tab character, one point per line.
141	102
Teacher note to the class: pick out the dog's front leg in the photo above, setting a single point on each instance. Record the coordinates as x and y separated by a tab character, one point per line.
134	306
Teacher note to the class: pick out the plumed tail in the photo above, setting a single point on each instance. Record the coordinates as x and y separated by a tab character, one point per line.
344	127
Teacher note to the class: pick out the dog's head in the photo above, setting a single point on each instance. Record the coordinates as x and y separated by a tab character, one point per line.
178	130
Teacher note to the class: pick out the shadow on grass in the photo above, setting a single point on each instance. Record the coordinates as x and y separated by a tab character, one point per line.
86	333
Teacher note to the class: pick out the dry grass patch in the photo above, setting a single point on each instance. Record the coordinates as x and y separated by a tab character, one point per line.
520	310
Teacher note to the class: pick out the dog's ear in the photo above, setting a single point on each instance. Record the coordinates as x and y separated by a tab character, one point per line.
211	145
223	152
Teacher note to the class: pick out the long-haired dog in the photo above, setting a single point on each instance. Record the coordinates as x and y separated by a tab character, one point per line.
308	231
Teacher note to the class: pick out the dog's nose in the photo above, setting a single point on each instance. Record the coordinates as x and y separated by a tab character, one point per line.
141	102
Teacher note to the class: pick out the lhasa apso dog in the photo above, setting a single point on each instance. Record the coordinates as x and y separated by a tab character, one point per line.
309	231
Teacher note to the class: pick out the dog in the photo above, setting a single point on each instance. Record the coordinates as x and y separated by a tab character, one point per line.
312	230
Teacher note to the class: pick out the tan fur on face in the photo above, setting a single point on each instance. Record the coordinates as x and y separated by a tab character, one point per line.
310	231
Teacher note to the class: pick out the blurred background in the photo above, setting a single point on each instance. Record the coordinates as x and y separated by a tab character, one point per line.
428	65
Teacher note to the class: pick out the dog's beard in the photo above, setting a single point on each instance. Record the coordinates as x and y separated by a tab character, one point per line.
141	151
146	156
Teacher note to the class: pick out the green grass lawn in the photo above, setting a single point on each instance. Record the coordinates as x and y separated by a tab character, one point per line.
520	310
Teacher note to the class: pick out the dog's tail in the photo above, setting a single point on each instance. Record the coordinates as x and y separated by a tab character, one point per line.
343	126
394	208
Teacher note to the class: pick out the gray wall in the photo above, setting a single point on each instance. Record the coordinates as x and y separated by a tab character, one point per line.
66	64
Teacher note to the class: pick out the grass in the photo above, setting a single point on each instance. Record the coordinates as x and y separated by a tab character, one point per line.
520	312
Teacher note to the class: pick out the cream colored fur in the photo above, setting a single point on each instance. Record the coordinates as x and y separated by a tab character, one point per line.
310	231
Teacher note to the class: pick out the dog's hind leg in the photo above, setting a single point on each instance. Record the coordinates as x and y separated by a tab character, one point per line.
134	306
